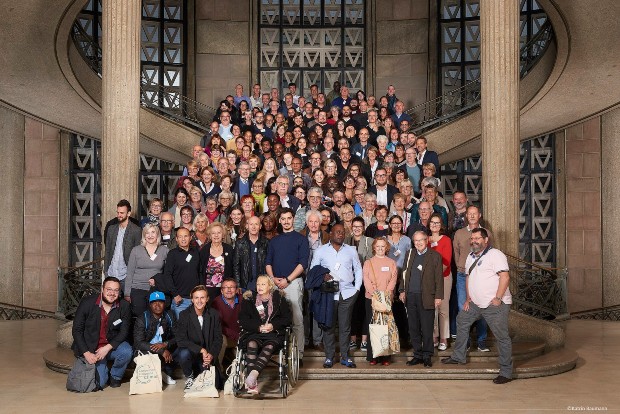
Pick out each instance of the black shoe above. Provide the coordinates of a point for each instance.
(415, 361)
(451, 361)
(501, 380)
(427, 362)
(114, 383)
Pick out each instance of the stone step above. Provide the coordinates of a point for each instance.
(538, 364)
(555, 362)
(520, 351)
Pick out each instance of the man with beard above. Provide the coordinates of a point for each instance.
(100, 329)
(120, 238)
(488, 297)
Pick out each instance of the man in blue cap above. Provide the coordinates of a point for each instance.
(153, 333)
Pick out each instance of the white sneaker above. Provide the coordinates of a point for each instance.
(189, 381)
(442, 346)
(167, 379)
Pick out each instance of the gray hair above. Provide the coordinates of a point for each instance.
(311, 213)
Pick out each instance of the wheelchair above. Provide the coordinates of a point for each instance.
(287, 363)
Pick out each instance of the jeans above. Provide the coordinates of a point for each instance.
(181, 307)
(121, 357)
(190, 363)
(497, 318)
(461, 292)
(295, 296)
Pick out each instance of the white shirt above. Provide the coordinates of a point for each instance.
(382, 198)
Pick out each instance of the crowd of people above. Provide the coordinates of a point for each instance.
(281, 196)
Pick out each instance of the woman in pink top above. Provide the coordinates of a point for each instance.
(380, 273)
(441, 243)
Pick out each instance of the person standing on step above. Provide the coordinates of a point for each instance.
(345, 267)
(488, 296)
(421, 291)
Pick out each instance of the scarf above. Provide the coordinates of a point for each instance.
(153, 219)
(211, 216)
(259, 302)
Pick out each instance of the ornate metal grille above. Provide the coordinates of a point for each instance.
(311, 42)
(157, 179)
(85, 201)
(163, 53)
(536, 199)
(459, 39)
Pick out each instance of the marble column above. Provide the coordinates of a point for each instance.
(121, 104)
(610, 197)
(499, 21)
(12, 169)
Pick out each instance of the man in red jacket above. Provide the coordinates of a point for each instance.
(227, 306)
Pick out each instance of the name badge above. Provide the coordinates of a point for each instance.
(153, 256)
(165, 237)
(420, 268)
(255, 249)
(359, 154)
(188, 258)
(199, 242)
(434, 244)
(385, 269)
(397, 253)
(337, 266)
(161, 330)
(117, 322)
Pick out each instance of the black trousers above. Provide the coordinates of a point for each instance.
(421, 323)
(139, 302)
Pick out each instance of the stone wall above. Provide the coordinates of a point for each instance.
(583, 215)
(222, 48)
(41, 185)
(402, 53)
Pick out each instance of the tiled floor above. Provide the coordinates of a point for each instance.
(26, 385)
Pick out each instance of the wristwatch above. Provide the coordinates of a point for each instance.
(287, 281)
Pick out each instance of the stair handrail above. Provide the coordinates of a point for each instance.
(460, 101)
(76, 282)
(605, 313)
(537, 290)
(155, 97)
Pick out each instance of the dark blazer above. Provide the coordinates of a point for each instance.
(431, 157)
(432, 276)
(242, 267)
(235, 187)
(87, 324)
(293, 203)
(133, 235)
(249, 319)
(142, 334)
(204, 259)
(391, 190)
(189, 334)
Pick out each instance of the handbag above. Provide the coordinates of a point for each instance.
(379, 336)
(204, 385)
(146, 378)
(230, 371)
(82, 377)
(380, 298)
(330, 286)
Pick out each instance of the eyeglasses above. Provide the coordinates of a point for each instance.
(357, 227)
(166, 221)
(108, 290)
(435, 223)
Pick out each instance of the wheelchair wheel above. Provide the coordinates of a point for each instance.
(292, 357)
(284, 386)
(238, 375)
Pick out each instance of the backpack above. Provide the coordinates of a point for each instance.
(83, 377)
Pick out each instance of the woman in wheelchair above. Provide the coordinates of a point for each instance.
(263, 318)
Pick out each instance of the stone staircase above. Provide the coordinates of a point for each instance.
(530, 360)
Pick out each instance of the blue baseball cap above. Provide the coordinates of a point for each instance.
(157, 296)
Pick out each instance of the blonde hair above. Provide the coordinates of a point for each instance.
(147, 227)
